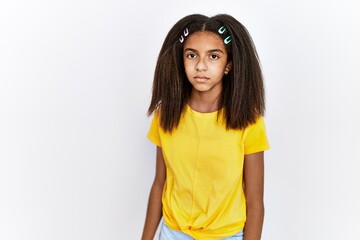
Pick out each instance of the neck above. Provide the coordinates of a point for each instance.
(202, 102)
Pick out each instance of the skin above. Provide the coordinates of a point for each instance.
(254, 193)
(154, 209)
(206, 62)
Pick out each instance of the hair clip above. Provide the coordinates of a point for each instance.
(222, 29)
(227, 40)
(186, 32)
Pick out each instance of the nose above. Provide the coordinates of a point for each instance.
(201, 65)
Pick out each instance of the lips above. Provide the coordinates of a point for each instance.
(201, 78)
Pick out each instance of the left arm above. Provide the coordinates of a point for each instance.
(254, 193)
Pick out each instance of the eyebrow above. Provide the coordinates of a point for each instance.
(211, 50)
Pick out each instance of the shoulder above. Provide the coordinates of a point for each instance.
(258, 124)
(255, 137)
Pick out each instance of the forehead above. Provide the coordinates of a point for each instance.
(204, 41)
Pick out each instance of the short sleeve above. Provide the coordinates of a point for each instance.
(153, 134)
(255, 137)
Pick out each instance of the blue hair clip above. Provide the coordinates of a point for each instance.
(221, 30)
(227, 40)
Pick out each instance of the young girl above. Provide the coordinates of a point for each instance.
(208, 103)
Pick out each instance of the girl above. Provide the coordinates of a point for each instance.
(208, 103)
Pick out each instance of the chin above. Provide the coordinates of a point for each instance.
(201, 88)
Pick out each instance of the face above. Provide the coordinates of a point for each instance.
(205, 61)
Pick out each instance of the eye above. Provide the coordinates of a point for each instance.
(191, 55)
(214, 56)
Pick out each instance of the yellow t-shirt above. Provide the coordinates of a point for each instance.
(203, 194)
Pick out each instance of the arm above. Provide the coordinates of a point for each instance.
(154, 209)
(254, 192)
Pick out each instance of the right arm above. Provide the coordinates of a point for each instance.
(154, 209)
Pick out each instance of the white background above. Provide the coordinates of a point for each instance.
(75, 84)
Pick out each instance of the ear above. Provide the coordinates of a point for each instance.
(228, 67)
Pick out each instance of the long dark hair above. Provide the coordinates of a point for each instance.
(242, 99)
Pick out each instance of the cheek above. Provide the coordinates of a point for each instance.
(187, 72)
(187, 66)
(218, 69)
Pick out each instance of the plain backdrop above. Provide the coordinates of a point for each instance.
(75, 84)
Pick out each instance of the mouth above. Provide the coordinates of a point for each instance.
(201, 78)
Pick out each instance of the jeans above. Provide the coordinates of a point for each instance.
(168, 234)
